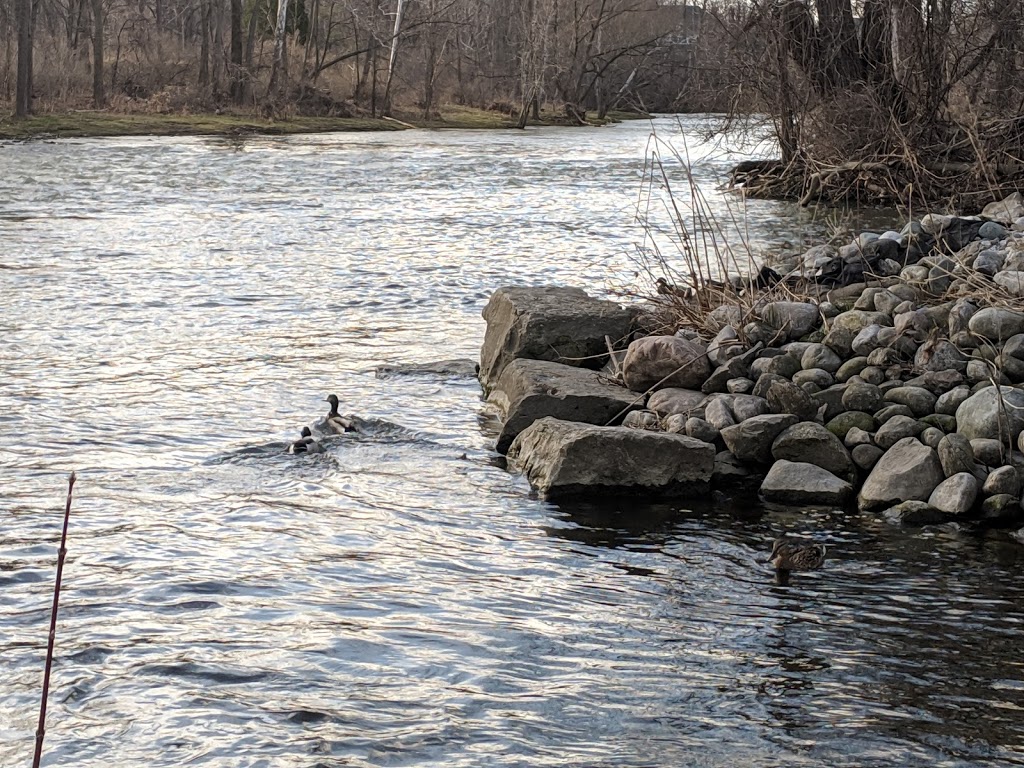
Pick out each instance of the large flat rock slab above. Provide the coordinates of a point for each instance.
(564, 459)
(532, 389)
(548, 323)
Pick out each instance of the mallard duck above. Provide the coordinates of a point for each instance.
(305, 444)
(795, 555)
(335, 422)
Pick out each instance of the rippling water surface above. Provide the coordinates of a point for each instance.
(175, 310)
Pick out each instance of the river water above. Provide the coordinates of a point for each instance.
(175, 310)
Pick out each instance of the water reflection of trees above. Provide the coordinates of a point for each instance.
(904, 646)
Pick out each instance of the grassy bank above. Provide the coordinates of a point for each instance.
(86, 123)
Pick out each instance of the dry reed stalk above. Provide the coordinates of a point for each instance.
(61, 553)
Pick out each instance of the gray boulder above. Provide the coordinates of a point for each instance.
(960, 315)
(857, 436)
(988, 451)
(794, 318)
(851, 368)
(642, 420)
(764, 382)
(940, 421)
(939, 355)
(872, 374)
(989, 262)
(780, 365)
(914, 514)
(955, 495)
(908, 471)
(701, 430)
(718, 414)
(719, 379)
(846, 326)
(866, 456)
(996, 323)
(558, 324)
(1012, 281)
(950, 401)
(994, 412)
(844, 422)
(676, 424)
(866, 342)
(886, 302)
(532, 389)
(747, 407)
(655, 362)
(741, 386)
(1002, 509)
(786, 397)
(882, 415)
(820, 356)
(790, 482)
(725, 346)
(832, 400)
(817, 376)
(937, 382)
(1002, 480)
(955, 454)
(752, 439)
(566, 459)
(931, 437)
(673, 400)
(883, 357)
(895, 429)
(992, 230)
(918, 399)
(1005, 211)
(811, 443)
(861, 396)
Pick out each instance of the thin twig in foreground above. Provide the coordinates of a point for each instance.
(41, 730)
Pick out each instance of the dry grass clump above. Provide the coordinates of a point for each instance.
(698, 261)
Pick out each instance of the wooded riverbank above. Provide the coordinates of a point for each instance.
(93, 123)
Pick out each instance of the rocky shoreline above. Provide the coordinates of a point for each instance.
(888, 373)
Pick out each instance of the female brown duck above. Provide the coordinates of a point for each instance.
(790, 555)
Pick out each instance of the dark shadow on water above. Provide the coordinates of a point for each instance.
(618, 522)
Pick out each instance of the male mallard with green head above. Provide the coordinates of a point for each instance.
(790, 555)
(335, 422)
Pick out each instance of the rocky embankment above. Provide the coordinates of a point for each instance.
(888, 373)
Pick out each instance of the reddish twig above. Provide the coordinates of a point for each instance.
(41, 730)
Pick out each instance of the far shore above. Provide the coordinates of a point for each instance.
(85, 123)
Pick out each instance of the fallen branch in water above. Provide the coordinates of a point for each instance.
(41, 730)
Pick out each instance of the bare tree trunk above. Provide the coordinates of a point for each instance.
(217, 42)
(204, 43)
(311, 38)
(23, 87)
(245, 89)
(399, 13)
(98, 97)
(368, 62)
(278, 71)
(237, 88)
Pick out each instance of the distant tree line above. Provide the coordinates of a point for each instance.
(364, 56)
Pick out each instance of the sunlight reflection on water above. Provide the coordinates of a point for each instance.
(176, 310)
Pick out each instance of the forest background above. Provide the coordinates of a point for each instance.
(883, 100)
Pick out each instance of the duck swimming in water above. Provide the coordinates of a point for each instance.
(790, 555)
(305, 444)
(335, 422)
